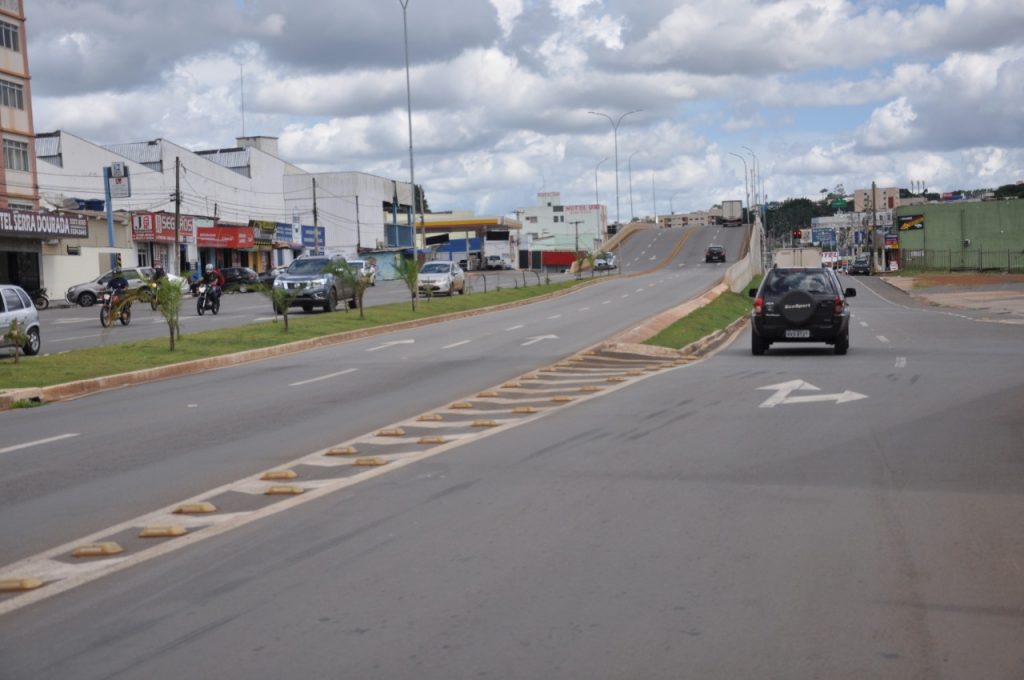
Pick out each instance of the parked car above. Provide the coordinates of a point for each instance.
(496, 262)
(800, 304)
(364, 269)
(267, 277)
(242, 279)
(714, 254)
(442, 278)
(16, 305)
(861, 265)
(309, 283)
(86, 294)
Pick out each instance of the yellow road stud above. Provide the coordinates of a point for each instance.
(274, 475)
(524, 409)
(485, 423)
(532, 376)
(200, 508)
(634, 373)
(461, 405)
(487, 394)
(512, 385)
(432, 439)
(283, 490)
(590, 388)
(168, 531)
(97, 550)
(391, 432)
(549, 369)
(19, 584)
(616, 379)
(561, 399)
(342, 451)
(431, 418)
(369, 462)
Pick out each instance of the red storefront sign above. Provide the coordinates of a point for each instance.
(234, 238)
(159, 227)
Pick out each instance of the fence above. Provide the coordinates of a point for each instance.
(963, 260)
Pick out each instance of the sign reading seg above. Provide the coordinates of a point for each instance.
(18, 223)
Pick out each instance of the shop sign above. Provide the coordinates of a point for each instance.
(19, 223)
(910, 222)
(225, 237)
(159, 227)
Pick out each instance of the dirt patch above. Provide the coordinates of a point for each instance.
(965, 280)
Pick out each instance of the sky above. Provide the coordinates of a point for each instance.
(816, 93)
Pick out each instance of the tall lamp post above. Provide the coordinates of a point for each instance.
(746, 187)
(408, 100)
(629, 166)
(597, 198)
(755, 180)
(615, 131)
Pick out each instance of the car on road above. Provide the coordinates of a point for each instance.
(267, 276)
(17, 307)
(242, 279)
(605, 262)
(440, 277)
(86, 294)
(861, 265)
(309, 282)
(714, 253)
(364, 269)
(800, 304)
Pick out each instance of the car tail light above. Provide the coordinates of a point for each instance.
(759, 306)
(837, 306)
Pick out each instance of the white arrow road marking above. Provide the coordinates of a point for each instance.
(391, 344)
(783, 390)
(323, 377)
(37, 442)
(901, 362)
(457, 344)
(882, 338)
(514, 328)
(538, 338)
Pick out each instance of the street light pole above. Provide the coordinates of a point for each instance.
(629, 165)
(746, 188)
(615, 131)
(408, 100)
(597, 197)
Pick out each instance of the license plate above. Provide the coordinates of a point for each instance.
(798, 334)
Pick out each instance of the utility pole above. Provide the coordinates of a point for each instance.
(629, 165)
(359, 236)
(316, 223)
(177, 215)
(579, 269)
(654, 202)
(874, 227)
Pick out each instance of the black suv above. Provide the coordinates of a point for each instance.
(860, 265)
(309, 283)
(714, 254)
(800, 305)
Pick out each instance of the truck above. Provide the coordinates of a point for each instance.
(797, 257)
(732, 213)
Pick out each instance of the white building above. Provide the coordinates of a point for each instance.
(551, 226)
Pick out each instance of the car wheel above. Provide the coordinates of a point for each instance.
(87, 299)
(31, 347)
(757, 344)
(843, 343)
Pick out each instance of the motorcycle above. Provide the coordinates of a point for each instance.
(115, 305)
(206, 299)
(39, 298)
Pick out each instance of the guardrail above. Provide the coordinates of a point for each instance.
(739, 274)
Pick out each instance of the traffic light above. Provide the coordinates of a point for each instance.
(797, 233)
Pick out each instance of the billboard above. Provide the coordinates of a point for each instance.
(910, 222)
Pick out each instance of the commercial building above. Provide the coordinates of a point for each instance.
(559, 231)
(967, 235)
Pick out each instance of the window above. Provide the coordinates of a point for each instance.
(14, 302)
(16, 155)
(9, 34)
(12, 94)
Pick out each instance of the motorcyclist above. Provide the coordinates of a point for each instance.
(158, 274)
(214, 279)
(117, 283)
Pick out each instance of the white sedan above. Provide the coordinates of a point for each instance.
(441, 278)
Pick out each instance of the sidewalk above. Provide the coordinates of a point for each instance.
(1000, 297)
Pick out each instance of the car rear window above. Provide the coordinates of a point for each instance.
(781, 281)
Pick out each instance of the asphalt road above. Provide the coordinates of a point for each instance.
(702, 523)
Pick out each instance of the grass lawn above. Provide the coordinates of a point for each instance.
(53, 369)
(712, 317)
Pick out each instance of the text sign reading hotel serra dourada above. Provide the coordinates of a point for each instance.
(18, 223)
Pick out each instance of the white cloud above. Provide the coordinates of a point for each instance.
(508, 12)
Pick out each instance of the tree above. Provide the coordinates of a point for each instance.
(591, 259)
(15, 336)
(280, 298)
(409, 272)
(1010, 191)
(351, 278)
(168, 303)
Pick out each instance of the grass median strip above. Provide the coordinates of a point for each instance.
(111, 359)
(714, 316)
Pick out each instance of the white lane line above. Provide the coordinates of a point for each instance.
(556, 316)
(323, 377)
(882, 338)
(640, 290)
(653, 257)
(584, 309)
(901, 362)
(457, 344)
(625, 296)
(79, 337)
(38, 442)
(391, 344)
(515, 328)
(606, 302)
(61, 322)
(864, 324)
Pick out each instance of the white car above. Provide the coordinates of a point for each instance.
(16, 305)
(441, 278)
(365, 269)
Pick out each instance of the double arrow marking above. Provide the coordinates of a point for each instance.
(783, 390)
